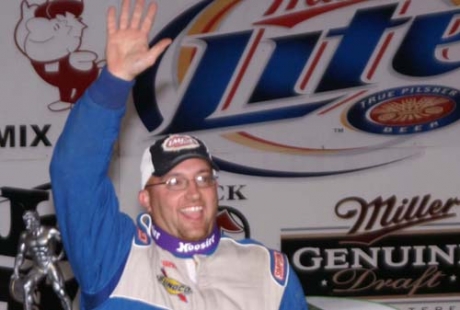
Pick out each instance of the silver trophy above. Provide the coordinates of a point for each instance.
(35, 261)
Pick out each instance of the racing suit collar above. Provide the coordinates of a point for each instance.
(182, 248)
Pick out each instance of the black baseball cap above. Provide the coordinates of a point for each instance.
(167, 152)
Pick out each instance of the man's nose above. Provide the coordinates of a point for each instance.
(193, 191)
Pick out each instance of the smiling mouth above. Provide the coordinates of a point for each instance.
(192, 209)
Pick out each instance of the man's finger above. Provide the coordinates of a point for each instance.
(124, 15)
(137, 14)
(157, 49)
(149, 18)
(111, 20)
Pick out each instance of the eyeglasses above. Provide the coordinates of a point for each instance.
(178, 183)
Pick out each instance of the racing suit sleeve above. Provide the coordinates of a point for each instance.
(294, 296)
(96, 235)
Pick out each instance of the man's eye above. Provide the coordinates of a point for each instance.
(204, 179)
(173, 181)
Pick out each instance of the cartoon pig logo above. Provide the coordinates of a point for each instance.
(49, 33)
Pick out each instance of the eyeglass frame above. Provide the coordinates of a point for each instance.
(213, 176)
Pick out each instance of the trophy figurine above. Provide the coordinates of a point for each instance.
(37, 251)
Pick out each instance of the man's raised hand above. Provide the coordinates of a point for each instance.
(127, 51)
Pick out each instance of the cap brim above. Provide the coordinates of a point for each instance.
(161, 171)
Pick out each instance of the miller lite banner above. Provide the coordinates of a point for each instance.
(335, 123)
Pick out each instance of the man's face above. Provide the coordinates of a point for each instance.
(188, 214)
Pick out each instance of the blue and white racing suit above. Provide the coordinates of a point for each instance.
(122, 265)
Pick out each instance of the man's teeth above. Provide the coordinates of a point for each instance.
(192, 209)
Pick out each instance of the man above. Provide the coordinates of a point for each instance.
(37, 243)
(175, 257)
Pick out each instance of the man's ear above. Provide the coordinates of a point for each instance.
(144, 199)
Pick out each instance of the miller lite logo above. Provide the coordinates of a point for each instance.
(312, 87)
